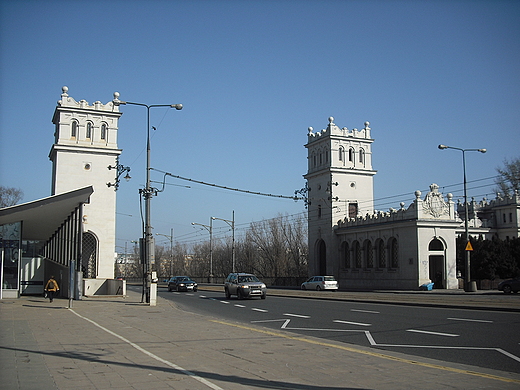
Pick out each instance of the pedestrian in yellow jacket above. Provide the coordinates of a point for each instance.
(52, 288)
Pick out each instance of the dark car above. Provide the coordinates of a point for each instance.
(509, 285)
(182, 283)
(244, 286)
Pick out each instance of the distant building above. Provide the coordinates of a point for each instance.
(397, 249)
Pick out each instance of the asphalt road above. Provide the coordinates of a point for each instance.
(481, 338)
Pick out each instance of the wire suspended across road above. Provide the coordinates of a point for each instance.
(295, 198)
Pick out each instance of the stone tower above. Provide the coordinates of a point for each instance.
(85, 153)
(340, 185)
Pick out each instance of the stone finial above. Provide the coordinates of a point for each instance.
(310, 129)
(64, 91)
(331, 120)
(417, 194)
(116, 95)
(366, 125)
(449, 196)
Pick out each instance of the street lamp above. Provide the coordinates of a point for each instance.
(232, 225)
(210, 230)
(147, 192)
(170, 237)
(468, 286)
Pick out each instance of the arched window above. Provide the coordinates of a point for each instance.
(341, 153)
(381, 254)
(351, 155)
(362, 156)
(369, 254)
(74, 129)
(319, 211)
(394, 253)
(88, 134)
(103, 131)
(356, 254)
(345, 255)
(436, 245)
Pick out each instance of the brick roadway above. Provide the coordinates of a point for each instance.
(120, 343)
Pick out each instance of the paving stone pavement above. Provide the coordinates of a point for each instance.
(119, 343)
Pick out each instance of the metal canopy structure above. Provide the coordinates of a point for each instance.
(41, 218)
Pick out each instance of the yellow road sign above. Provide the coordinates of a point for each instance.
(469, 247)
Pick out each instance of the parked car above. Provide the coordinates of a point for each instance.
(320, 283)
(182, 283)
(244, 286)
(509, 285)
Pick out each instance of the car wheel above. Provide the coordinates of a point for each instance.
(303, 287)
(194, 290)
(228, 295)
(169, 289)
(263, 296)
(507, 289)
(239, 294)
(318, 288)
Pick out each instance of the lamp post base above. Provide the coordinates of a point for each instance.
(471, 287)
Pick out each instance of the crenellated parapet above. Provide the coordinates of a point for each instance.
(433, 207)
(67, 101)
(334, 130)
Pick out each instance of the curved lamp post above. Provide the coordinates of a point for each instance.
(170, 238)
(147, 192)
(468, 286)
(232, 226)
(210, 230)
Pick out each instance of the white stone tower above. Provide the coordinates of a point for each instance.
(84, 154)
(340, 185)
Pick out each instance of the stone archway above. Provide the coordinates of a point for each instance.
(437, 263)
(89, 256)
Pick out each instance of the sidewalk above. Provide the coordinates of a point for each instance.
(120, 343)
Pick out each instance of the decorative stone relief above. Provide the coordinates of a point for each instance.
(434, 203)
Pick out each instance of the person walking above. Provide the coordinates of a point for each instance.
(52, 288)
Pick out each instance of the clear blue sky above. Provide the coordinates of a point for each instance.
(253, 76)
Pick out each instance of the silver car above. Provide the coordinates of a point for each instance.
(244, 286)
(320, 283)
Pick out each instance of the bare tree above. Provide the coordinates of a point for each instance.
(508, 180)
(9, 196)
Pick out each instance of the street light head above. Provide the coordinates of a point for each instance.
(176, 106)
(482, 150)
(442, 147)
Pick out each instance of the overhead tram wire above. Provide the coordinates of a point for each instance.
(293, 197)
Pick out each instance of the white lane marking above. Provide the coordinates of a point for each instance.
(226, 302)
(296, 315)
(433, 333)
(236, 305)
(202, 296)
(153, 356)
(260, 310)
(469, 319)
(351, 323)
(365, 311)
(500, 350)
(287, 321)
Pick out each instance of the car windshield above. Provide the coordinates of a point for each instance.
(247, 278)
(184, 280)
(330, 279)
